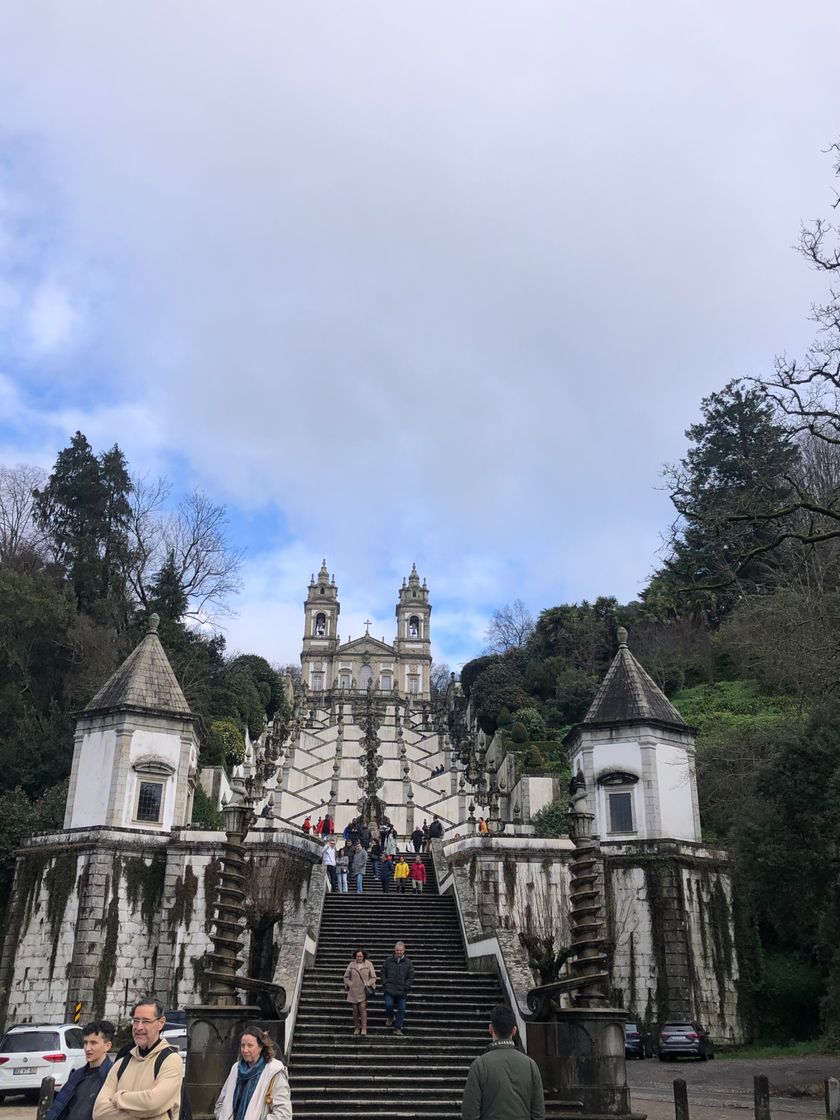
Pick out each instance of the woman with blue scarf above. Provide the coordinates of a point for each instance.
(257, 1087)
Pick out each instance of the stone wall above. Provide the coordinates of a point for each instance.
(100, 916)
(669, 915)
(672, 933)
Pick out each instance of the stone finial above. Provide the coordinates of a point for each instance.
(621, 634)
(154, 622)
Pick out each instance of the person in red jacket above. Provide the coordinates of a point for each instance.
(417, 875)
(307, 826)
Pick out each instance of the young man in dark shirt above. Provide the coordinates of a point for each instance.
(76, 1099)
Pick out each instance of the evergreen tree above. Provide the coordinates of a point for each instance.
(737, 471)
(84, 511)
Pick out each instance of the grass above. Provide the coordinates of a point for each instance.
(759, 1050)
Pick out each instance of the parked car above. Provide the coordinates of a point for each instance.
(637, 1042)
(177, 1037)
(31, 1052)
(683, 1038)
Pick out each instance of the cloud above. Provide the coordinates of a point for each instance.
(440, 284)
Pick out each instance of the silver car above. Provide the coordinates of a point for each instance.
(31, 1052)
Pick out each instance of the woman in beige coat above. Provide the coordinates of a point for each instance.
(358, 975)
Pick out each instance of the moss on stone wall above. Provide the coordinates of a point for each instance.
(509, 873)
(181, 910)
(28, 874)
(108, 959)
(653, 872)
(59, 881)
(144, 886)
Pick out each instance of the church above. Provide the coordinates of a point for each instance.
(122, 899)
(402, 668)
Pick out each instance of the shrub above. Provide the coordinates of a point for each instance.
(532, 720)
(225, 744)
(519, 733)
(552, 820)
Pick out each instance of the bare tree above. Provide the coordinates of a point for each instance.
(509, 627)
(193, 538)
(19, 530)
(439, 679)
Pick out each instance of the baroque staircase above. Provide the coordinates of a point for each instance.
(332, 1072)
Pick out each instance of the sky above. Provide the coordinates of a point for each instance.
(441, 283)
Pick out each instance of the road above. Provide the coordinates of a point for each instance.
(721, 1085)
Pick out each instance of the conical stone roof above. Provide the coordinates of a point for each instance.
(144, 682)
(628, 695)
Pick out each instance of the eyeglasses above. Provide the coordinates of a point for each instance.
(145, 1022)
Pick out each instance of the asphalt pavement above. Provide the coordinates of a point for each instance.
(723, 1084)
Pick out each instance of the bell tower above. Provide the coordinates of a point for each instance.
(413, 645)
(320, 631)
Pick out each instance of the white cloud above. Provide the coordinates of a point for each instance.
(441, 284)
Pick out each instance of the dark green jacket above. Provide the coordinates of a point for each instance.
(503, 1084)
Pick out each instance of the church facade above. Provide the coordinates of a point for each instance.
(402, 668)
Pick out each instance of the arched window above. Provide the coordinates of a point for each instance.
(320, 625)
(366, 676)
(414, 627)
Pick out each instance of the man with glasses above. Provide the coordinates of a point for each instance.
(145, 1083)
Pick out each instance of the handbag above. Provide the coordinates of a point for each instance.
(370, 991)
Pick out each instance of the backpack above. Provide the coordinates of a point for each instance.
(184, 1109)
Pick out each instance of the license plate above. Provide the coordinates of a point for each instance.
(25, 1069)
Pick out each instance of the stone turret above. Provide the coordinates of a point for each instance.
(413, 643)
(636, 754)
(136, 752)
(320, 635)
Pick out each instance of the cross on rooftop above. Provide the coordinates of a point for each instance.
(368, 625)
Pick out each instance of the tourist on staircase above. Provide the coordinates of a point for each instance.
(401, 872)
(375, 856)
(435, 830)
(358, 865)
(386, 873)
(257, 1087)
(358, 977)
(397, 978)
(417, 838)
(390, 845)
(307, 825)
(364, 835)
(426, 836)
(342, 867)
(503, 1082)
(417, 874)
(328, 858)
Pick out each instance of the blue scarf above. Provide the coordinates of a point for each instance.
(246, 1082)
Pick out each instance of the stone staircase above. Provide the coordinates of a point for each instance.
(335, 1074)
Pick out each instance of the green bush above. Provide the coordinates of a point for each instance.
(225, 744)
(533, 759)
(205, 812)
(519, 733)
(532, 721)
(552, 821)
(504, 719)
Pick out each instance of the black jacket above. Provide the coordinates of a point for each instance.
(397, 976)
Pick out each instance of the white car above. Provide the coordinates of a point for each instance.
(33, 1051)
(177, 1037)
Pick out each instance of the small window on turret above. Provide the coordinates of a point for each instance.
(149, 802)
(414, 627)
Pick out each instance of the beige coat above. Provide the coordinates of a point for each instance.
(356, 976)
(138, 1095)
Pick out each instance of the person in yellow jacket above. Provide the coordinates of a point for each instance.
(139, 1086)
(401, 873)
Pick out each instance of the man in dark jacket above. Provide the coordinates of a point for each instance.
(397, 978)
(436, 829)
(75, 1101)
(503, 1083)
